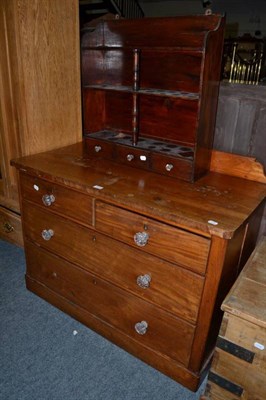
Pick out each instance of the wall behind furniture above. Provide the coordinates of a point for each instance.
(248, 16)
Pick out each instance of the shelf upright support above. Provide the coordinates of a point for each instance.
(135, 110)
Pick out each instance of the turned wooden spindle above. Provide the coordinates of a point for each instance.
(135, 108)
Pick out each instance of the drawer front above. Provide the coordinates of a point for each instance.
(64, 201)
(162, 332)
(172, 244)
(10, 227)
(133, 157)
(172, 288)
(99, 148)
(171, 166)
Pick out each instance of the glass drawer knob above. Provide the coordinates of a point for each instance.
(169, 167)
(141, 238)
(141, 327)
(97, 148)
(47, 234)
(48, 199)
(144, 281)
(130, 157)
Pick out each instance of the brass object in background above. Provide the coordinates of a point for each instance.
(8, 228)
(244, 59)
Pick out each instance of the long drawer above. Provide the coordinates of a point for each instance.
(167, 242)
(138, 319)
(56, 198)
(173, 288)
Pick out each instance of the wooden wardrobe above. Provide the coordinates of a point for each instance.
(39, 90)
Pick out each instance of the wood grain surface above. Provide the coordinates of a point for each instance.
(169, 243)
(225, 200)
(10, 227)
(192, 260)
(40, 102)
(247, 297)
(113, 305)
(116, 262)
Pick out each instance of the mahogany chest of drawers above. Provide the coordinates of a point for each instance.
(146, 262)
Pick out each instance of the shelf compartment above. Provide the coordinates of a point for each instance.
(107, 110)
(168, 118)
(162, 117)
(115, 67)
(185, 70)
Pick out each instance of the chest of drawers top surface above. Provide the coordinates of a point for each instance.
(249, 289)
(239, 363)
(214, 205)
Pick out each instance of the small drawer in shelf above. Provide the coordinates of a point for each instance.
(100, 148)
(134, 157)
(176, 167)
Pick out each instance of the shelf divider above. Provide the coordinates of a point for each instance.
(135, 108)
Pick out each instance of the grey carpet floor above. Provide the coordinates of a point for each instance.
(47, 355)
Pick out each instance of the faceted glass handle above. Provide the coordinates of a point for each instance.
(141, 238)
(169, 167)
(47, 234)
(130, 157)
(97, 148)
(144, 281)
(141, 327)
(48, 199)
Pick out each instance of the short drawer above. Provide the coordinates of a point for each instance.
(99, 148)
(133, 156)
(170, 243)
(57, 198)
(174, 289)
(171, 166)
(136, 318)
